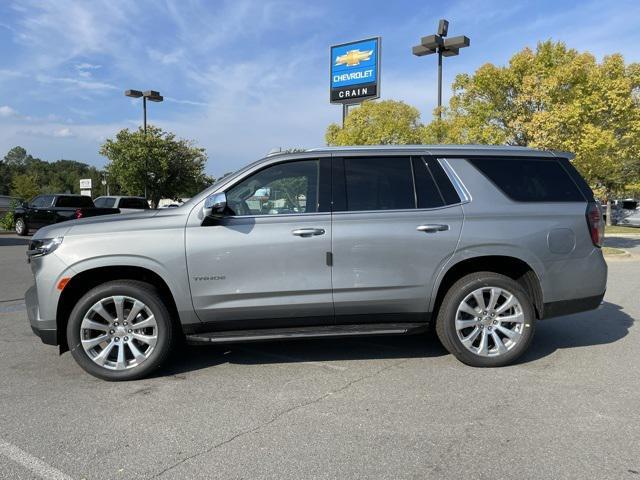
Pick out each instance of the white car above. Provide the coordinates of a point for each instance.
(125, 204)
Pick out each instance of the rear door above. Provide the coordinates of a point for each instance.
(395, 222)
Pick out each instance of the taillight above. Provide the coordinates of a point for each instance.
(595, 223)
(79, 213)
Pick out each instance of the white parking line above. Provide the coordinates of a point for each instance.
(34, 464)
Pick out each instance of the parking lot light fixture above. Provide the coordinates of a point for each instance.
(444, 47)
(152, 96)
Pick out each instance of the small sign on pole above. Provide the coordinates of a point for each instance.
(85, 184)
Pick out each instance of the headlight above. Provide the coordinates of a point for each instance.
(43, 246)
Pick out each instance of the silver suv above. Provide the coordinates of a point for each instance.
(479, 241)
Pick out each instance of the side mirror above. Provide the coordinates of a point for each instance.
(215, 204)
(24, 204)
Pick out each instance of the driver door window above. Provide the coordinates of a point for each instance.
(286, 188)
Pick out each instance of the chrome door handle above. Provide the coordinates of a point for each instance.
(308, 232)
(432, 228)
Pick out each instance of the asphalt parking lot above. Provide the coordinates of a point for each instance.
(397, 407)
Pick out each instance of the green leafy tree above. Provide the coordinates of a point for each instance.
(17, 159)
(5, 178)
(175, 166)
(554, 98)
(388, 122)
(24, 186)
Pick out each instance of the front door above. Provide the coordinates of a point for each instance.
(265, 264)
(40, 213)
(392, 232)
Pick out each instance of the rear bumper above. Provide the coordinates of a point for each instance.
(45, 329)
(567, 307)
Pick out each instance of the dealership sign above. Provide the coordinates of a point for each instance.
(355, 71)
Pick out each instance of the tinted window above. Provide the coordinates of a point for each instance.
(530, 180)
(42, 201)
(381, 183)
(133, 203)
(105, 202)
(428, 193)
(285, 188)
(79, 201)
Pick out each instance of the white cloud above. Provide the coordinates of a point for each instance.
(75, 82)
(166, 58)
(7, 111)
(63, 133)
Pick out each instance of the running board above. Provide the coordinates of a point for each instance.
(328, 331)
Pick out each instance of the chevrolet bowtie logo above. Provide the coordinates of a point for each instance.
(353, 58)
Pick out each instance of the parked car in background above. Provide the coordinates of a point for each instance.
(334, 242)
(6, 203)
(630, 218)
(125, 204)
(49, 209)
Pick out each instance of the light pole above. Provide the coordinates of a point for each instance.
(153, 96)
(444, 47)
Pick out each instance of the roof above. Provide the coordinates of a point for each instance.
(437, 150)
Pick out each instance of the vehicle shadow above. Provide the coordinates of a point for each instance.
(320, 351)
(579, 330)
(607, 324)
(12, 241)
(622, 242)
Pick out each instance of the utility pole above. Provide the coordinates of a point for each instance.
(444, 47)
(153, 96)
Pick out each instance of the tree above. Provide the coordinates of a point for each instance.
(17, 158)
(175, 166)
(5, 178)
(554, 98)
(388, 122)
(24, 186)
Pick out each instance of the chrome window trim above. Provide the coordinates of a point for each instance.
(463, 193)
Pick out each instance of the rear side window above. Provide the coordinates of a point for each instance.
(433, 187)
(530, 180)
(133, 203)
(378, 183)
(105, 202)
(80, 201)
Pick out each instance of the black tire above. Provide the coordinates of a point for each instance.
(138, 290)
(445, 323)
(21, 227)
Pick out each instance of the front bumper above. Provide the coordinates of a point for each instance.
(45, 329)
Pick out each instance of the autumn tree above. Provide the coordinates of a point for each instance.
(554, 98)
(388, 122)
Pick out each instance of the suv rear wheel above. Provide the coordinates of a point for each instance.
(120, 330)
(486, 320)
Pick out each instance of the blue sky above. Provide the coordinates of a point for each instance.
(243, 77)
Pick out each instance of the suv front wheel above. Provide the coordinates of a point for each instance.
(486, 320)
(120, 330)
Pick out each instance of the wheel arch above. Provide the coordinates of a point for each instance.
(513, 267)
(85, 280)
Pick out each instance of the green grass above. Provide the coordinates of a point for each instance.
(612, 251)
(621, 229)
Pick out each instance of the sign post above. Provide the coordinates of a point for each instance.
(354, 73)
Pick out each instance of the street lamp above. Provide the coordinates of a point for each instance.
(444, 47)
(152, 96)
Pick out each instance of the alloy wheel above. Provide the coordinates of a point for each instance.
(119, 332)
(489, 321)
